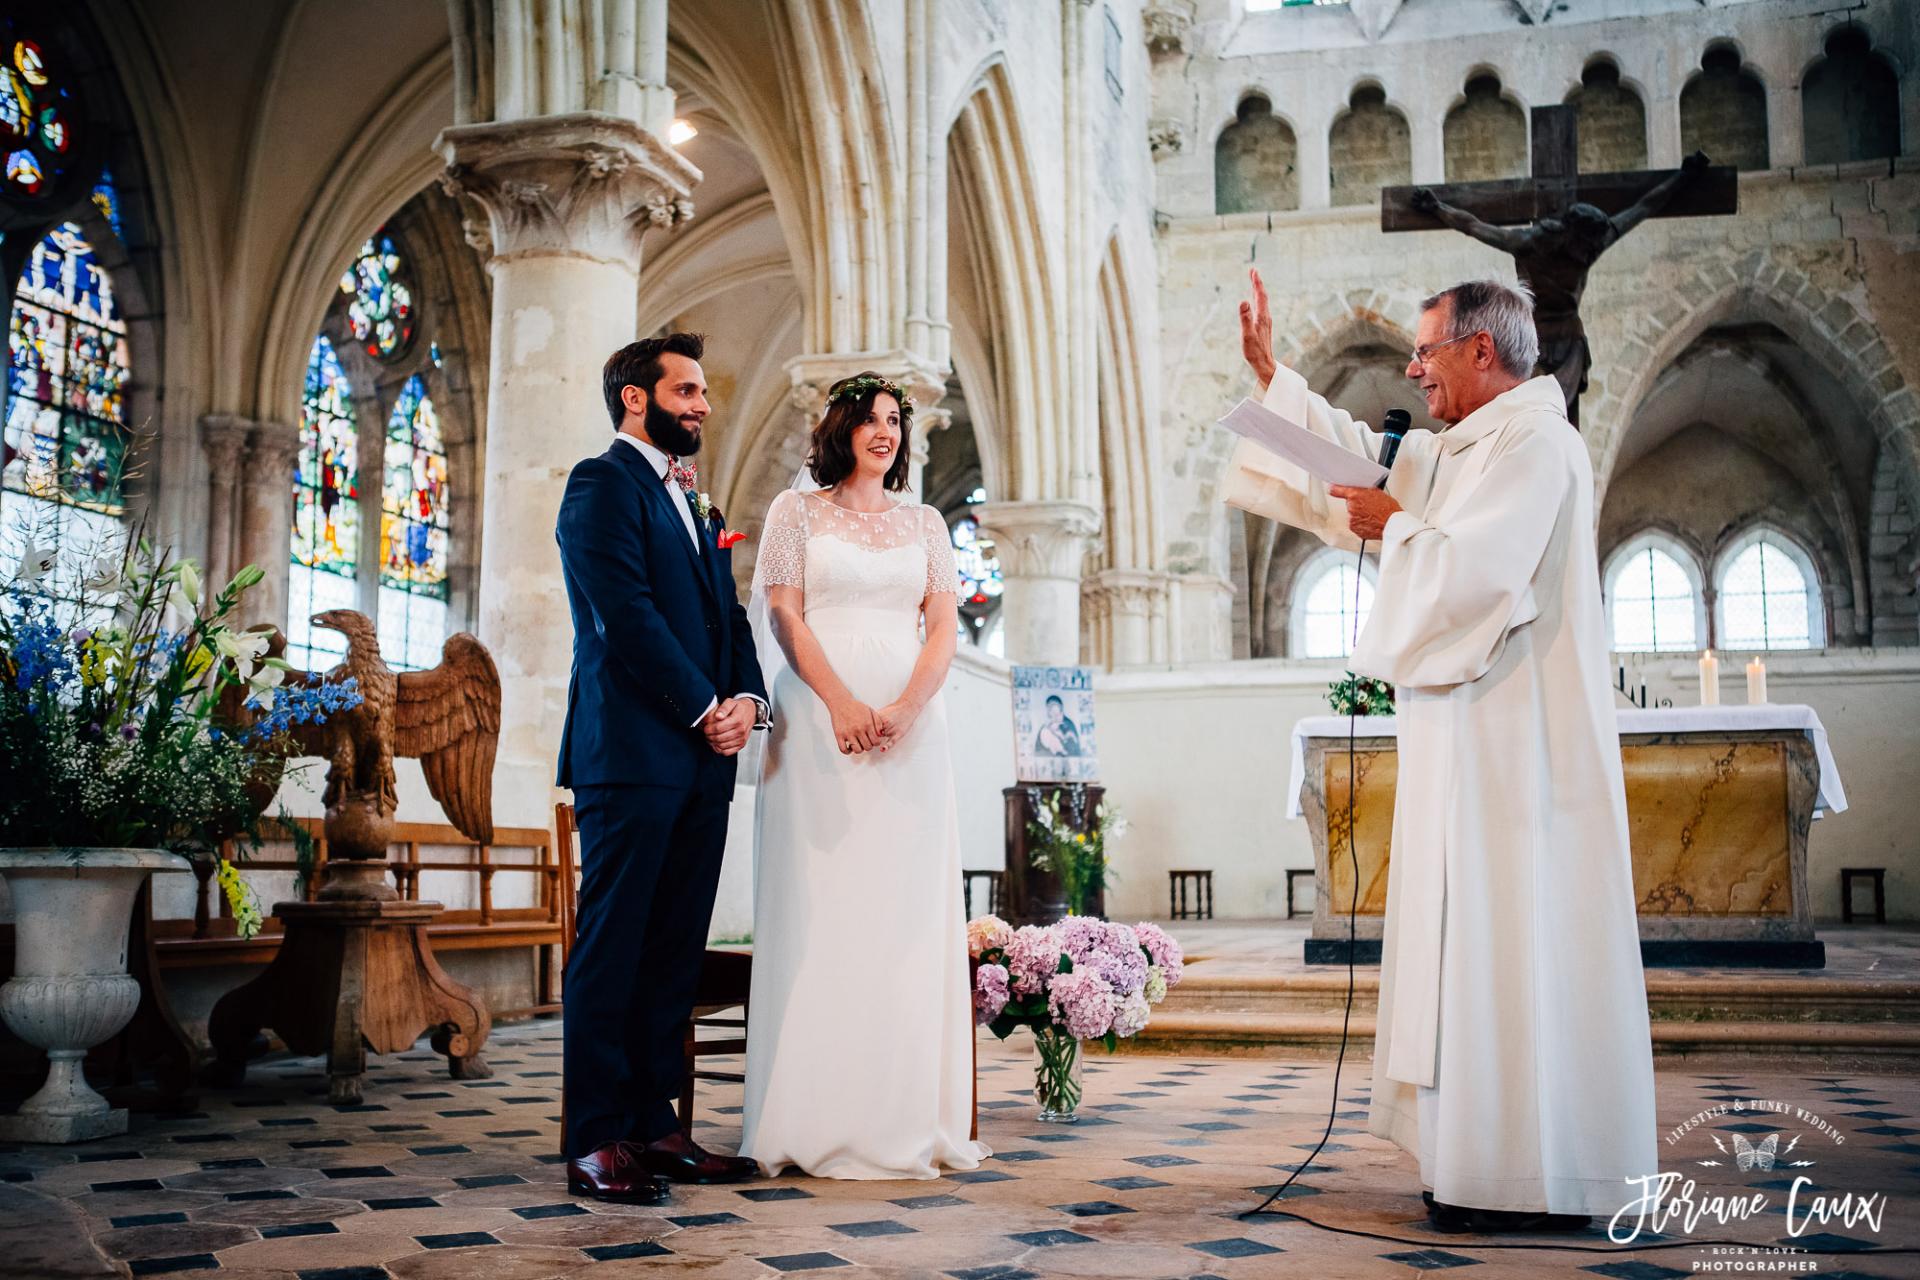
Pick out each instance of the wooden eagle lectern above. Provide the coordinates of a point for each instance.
(355, 970)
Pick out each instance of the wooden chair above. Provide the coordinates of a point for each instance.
(724, 983)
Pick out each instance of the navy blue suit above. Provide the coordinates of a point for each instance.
(658, 634)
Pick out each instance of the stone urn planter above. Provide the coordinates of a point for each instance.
(70, 988)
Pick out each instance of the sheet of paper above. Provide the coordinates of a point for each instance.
(1318, 457)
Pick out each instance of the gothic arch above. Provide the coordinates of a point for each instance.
(1829, 326)
(1013, 316)
(1131, 447)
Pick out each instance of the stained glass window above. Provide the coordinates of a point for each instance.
(1324, 602)
(66, 425)
(1768, 597)
(326, 511)
(413, 533)
(38, 110)
(381, 311)
(1653, 602)
(107, 200)
(981, 582)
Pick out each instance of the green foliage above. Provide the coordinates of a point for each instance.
(1360, 695)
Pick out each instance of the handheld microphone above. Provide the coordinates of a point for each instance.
(1395, 429)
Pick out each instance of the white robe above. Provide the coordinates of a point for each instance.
(1513, 1054)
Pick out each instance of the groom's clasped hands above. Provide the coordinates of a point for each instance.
(859, 728)
(729, 726)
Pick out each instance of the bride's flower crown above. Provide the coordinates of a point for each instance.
(857, 388)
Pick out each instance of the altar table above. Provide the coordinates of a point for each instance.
(1719, 804)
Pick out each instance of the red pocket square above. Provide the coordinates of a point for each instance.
(731, 538)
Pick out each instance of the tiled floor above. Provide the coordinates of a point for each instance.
(432, 1178)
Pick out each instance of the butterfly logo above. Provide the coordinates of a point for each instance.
(1762, 1155)
(1749, 1156)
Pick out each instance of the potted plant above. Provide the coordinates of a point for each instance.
(138, 728)
(1075, 980)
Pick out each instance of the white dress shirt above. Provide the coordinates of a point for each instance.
(658, 460)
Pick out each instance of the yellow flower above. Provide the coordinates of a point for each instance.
(1079, 837)
(198, 661)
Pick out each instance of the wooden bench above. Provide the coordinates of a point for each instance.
(210, 938)
(1190, 894)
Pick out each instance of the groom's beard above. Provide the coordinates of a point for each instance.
(671, 435)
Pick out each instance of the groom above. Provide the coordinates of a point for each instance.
(666, 690)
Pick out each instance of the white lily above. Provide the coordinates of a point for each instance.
(190, 582)
(36, 563)
(242, 648)
(264, 683)
(104, 576)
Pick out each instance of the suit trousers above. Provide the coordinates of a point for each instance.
(649, 869)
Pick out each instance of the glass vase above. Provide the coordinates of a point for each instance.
(1057, 1076)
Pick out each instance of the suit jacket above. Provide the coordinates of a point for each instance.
(658, 631)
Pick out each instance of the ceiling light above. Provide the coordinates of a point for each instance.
(681, 132)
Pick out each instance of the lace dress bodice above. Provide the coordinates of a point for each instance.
(840, 559)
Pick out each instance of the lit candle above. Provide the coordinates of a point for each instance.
(1756, 680)
(1709, 680)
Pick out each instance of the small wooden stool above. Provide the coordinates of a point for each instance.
(1178, 885)
(1877, 877)
(1294, 873)
(994, 881)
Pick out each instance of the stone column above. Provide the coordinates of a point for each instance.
(1126, 617)
(1042, 548)
(1200, 609)
(567, 200)
(264, 519)
(224, 440)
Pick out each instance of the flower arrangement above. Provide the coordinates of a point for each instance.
(1079, 979)
(1360, 695)
(1069, 843)
(138, 716)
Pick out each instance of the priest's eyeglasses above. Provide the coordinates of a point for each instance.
(1422, 354)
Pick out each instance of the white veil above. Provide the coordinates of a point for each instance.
(773, 659)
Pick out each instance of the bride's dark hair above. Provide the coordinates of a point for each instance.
(830, 457)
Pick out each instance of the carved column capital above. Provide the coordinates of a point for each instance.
(581, 185)
(1168, 24)
(1046, 539)
(271, 448)
(812, 375)
(1125, 592)
(223, 437)
(1166, 137)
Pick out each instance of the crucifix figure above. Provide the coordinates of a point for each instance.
(1557, 223)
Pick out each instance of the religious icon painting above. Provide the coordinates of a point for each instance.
(1053, 725)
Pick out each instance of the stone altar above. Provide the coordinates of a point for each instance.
(1720, 801)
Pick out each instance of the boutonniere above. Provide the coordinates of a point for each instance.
(703, 505)
(731, 538)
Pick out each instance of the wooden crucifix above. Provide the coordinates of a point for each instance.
(1558, 222)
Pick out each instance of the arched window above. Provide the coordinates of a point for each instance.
(1851, 102)
(326, 512)
(1485, 136)
(1613, 121)
(981, 582)
(1326, 596)
(413, 533)
(1768, 595)
(1723, 111)
(1370, 146)
(1654, 602)
(1254, 162)
(389, 562)
(66, 427)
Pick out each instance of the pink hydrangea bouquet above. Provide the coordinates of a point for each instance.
(1081, 978)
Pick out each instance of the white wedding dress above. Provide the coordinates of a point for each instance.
(860, 1029)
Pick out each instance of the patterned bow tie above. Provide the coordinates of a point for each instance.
(685, 474)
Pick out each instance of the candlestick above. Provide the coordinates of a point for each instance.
(1709, 680)
(1756, 681)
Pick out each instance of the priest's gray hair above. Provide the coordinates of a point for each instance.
(1504, 311)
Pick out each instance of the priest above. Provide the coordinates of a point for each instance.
(1513, 1055)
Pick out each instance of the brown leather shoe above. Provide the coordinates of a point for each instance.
(615, 1172)
(680, 1159)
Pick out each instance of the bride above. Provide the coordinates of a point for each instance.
(859, 1033)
